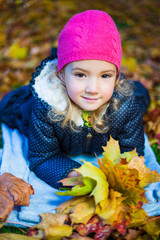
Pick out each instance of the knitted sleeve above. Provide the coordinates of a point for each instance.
(45, 157)
(55, 169)
(131, 132)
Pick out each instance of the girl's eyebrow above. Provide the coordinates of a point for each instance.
(110, 70)
(81, 69)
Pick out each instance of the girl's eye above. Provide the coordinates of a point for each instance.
(80, 75)
(106, 76)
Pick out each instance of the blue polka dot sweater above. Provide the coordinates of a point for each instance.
(49, 144)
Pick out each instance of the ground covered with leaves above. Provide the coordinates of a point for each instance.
(29, 29)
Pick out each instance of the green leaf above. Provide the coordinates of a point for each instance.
(80, 190)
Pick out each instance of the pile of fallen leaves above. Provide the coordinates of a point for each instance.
(106, 202)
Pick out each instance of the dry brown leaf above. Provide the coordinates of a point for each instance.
(6, 203)
(18, 188)
(13, 191)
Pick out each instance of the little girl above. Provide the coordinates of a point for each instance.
(76, 101)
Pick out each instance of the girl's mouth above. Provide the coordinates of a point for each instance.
(90, 99)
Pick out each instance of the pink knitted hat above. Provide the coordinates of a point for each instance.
(89, 35)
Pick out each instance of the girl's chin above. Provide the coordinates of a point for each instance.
(90, 109)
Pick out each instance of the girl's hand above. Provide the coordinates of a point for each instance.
(73, 174)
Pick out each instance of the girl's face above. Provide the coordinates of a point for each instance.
(90, 83)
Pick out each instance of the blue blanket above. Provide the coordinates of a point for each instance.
(13, 159)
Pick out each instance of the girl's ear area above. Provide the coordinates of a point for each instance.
(117, 79)
(61, 74)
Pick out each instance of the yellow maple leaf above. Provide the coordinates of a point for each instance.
(112, 151)
(56, 232)
(81, 209)
(53, 225)
(108, 168)
(66, 206)
(137, 217)
(145, 175)
(124, 180)
(109, 209)
(100, 191)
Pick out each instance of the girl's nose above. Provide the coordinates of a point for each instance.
(92, 85)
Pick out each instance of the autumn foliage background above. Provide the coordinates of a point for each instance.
(30, 28)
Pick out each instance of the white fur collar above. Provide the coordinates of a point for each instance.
(49, 88)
